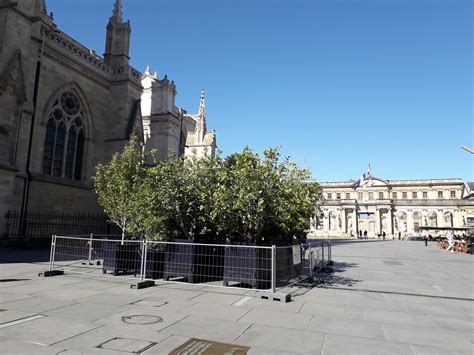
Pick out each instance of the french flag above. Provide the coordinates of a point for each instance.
(363, 180)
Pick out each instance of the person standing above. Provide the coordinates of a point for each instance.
(383, 235)
(365, 234)
(425, 238)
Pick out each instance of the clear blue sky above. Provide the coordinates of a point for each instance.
(337, 84)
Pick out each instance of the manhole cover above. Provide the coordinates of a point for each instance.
(390, 262)
(141, 319)
(126, 345)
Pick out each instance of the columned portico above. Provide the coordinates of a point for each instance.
(398, 206)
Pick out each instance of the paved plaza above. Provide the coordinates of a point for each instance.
(386, 297)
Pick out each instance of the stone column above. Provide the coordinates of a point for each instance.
(355, 222)
(344, 220)
(325, 220)
(377, 222)
(410, 229)
(439, 218)
(390, 221)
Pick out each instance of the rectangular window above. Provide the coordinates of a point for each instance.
(425, 194)
(394, 195)
(440, 194)
(371, 195)
(414, 194)
(359, 195)
(404, 195)
(380, 195)
(348, 196)
(453, 194)
(329, 195)
(338, 196)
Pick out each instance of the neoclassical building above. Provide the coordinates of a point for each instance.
(64, 109)
(394, 206)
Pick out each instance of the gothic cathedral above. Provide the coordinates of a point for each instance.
(64, 109)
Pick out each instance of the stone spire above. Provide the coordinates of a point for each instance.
(117, 13)
(117, 42)
(202, 105)
(43, 7)
(201, 120)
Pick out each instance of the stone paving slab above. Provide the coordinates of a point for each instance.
(217, 298)
(167, 345)
(433, 337)
(9, 315)
(88, 312)
(216, 311)
(79, 312)
(164, 320)
(47, 330)
(350, 327)
(390, 317)
(36, 304)
(277, 319)
(430, 350)
(314, 308)
(207, 328)
(340, 344)
(281, 339)
(12, 346)
(11, 297)
(95, 337)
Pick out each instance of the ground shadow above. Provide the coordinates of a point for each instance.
(336, 278)
(13, 255)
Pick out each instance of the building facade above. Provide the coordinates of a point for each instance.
(396, 207)
(64, 109)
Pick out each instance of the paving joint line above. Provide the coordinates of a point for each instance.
(76, 335)
(250, 325)
(398, 293)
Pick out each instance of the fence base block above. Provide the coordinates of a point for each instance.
(143, 284)
(50, 273)
(277, 296)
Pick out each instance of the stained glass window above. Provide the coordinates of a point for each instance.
(65, 138)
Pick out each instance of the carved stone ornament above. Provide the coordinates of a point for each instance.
(12, 79)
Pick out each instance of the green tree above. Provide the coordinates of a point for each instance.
(118, 184)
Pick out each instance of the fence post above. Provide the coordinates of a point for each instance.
(53, 251)
(143, 260)
(273, 269)
(322, 255)
(145, 252)
(90, 248)
(330, 253)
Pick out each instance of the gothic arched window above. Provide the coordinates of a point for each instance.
(65, 138)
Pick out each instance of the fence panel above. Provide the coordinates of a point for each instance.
(222, 265)
(43, 224)
(98, 256)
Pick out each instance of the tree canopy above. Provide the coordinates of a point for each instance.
(244, 198)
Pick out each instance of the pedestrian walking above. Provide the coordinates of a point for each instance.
(383, 235)
(425, 238)
(365, 234)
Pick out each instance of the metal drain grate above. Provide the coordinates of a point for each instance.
(141, 319)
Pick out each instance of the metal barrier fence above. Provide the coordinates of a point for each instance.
(37, 224)
(223, 265)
